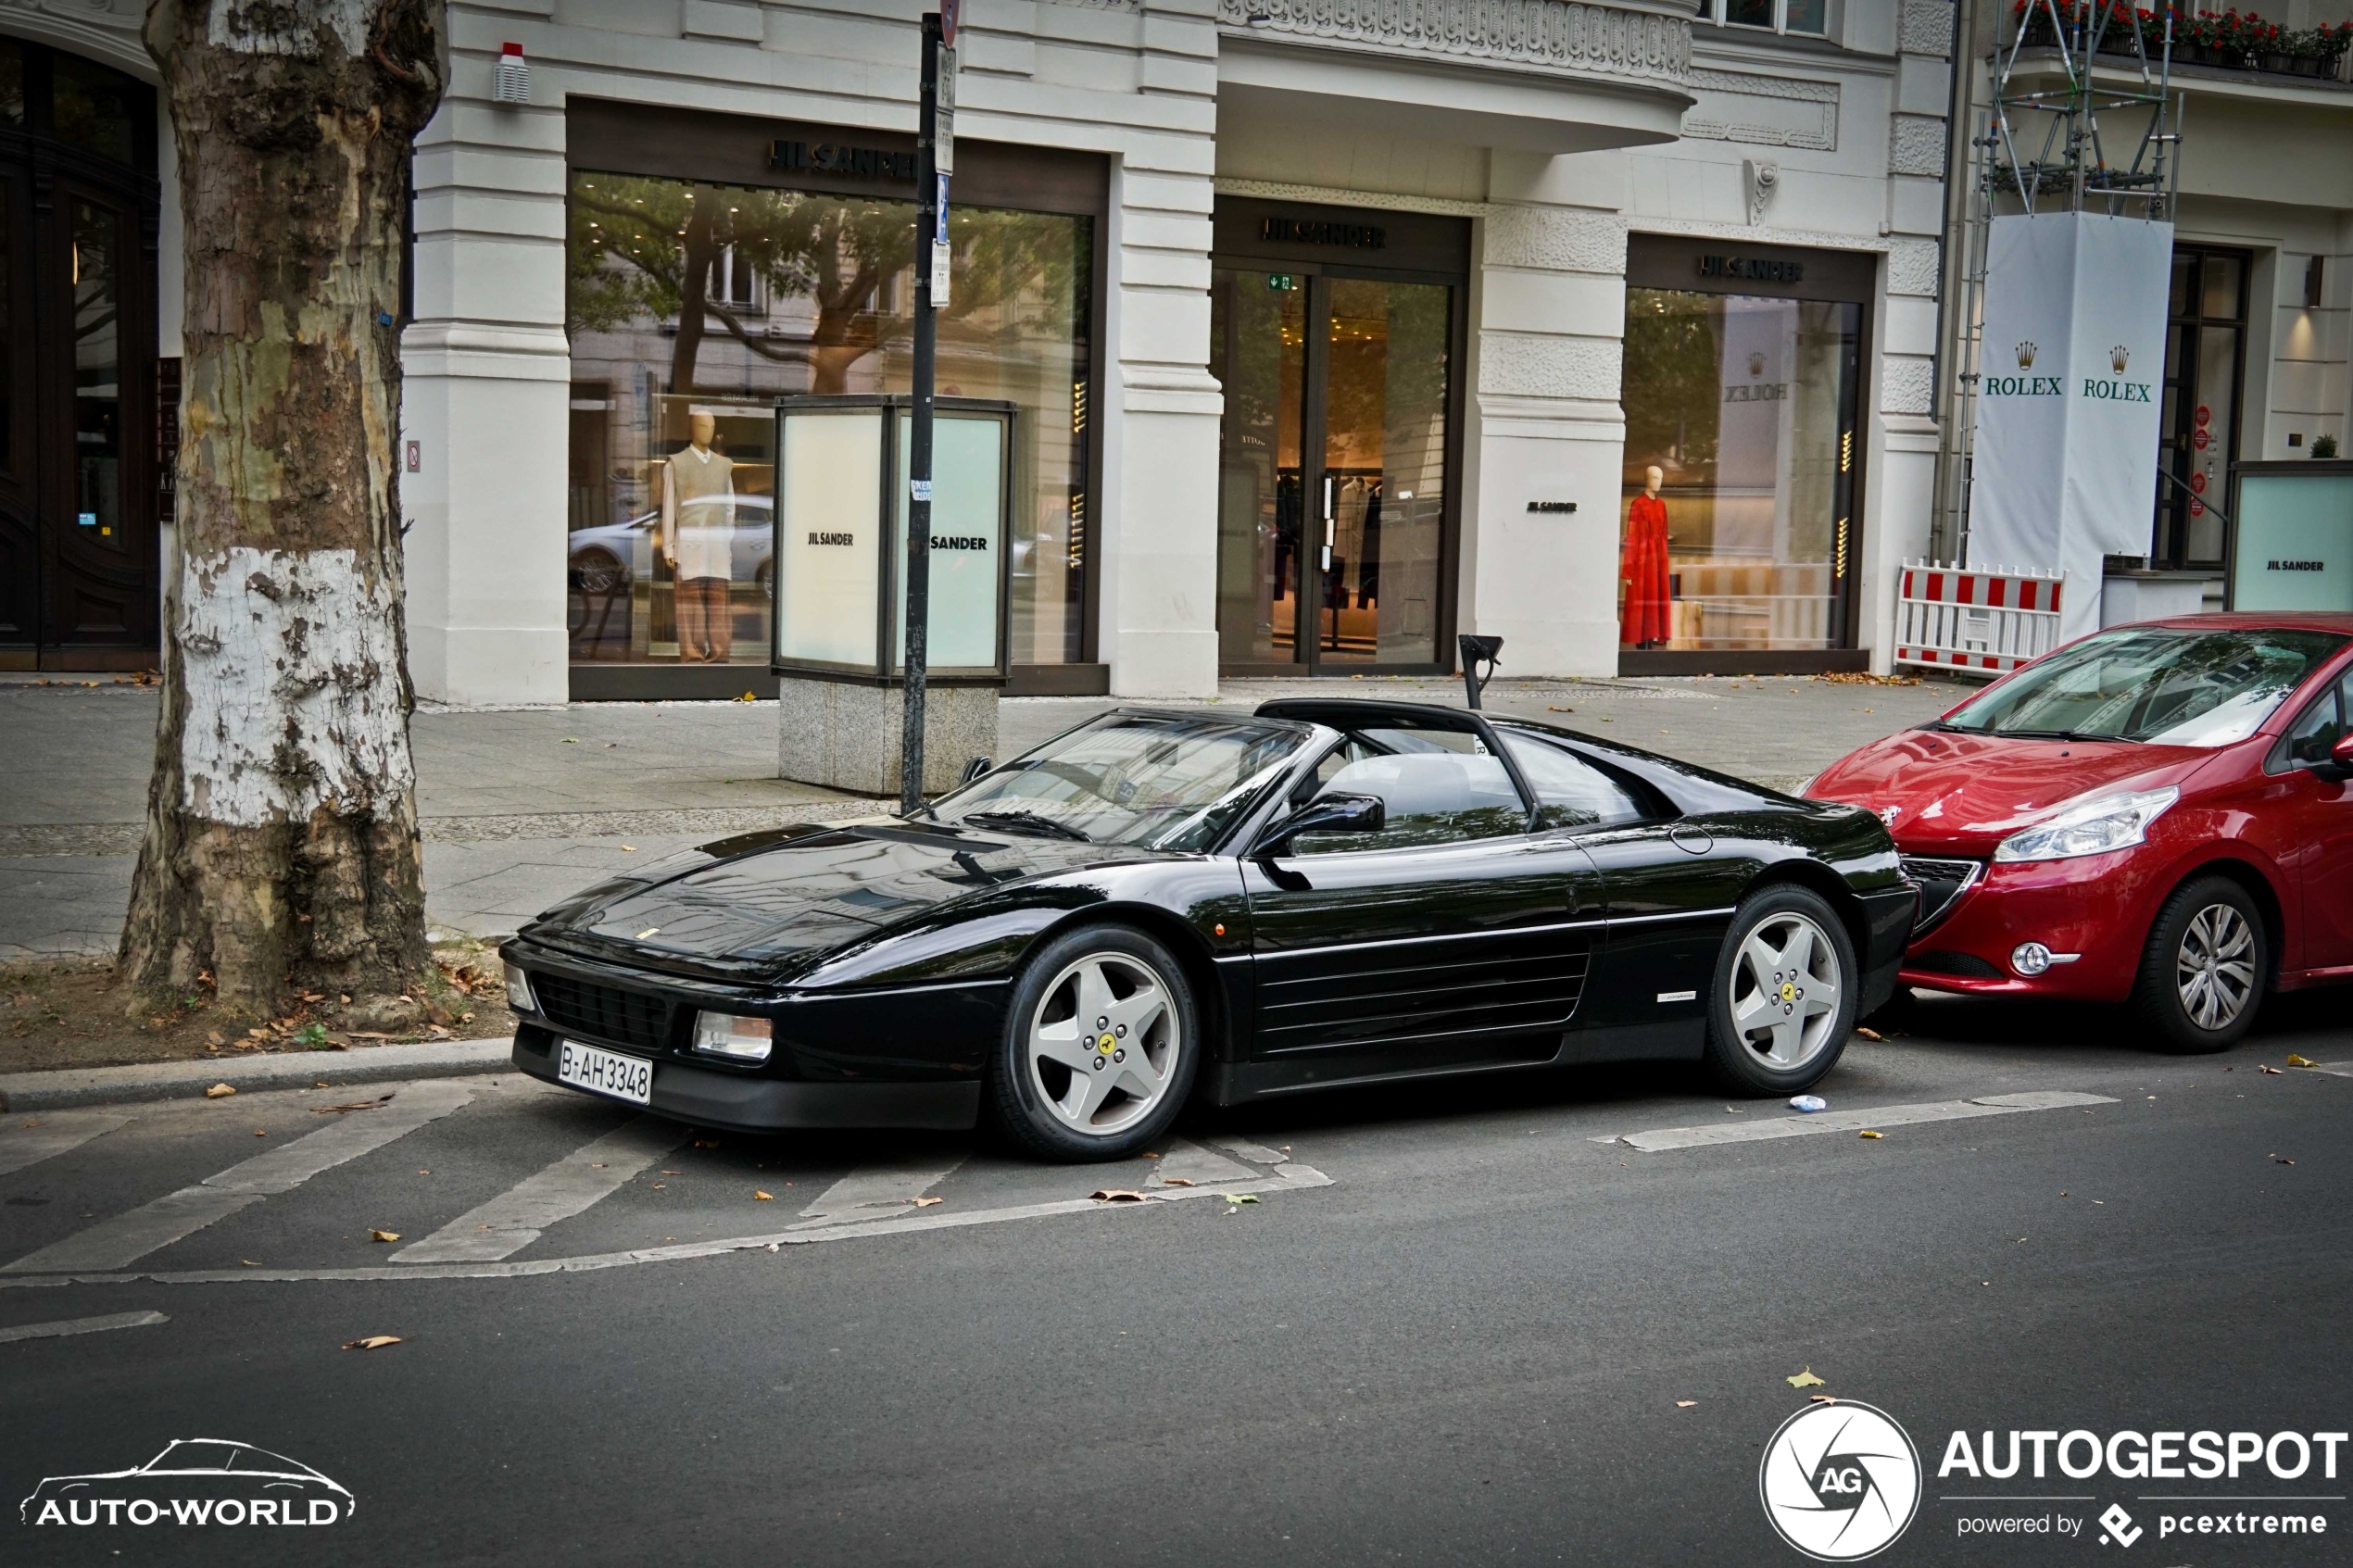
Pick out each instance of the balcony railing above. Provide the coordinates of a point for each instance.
(1568, 36)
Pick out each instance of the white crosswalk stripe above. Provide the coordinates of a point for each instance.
(515, 1219)
(119, 1242)
(870, 1191)
(42, 1138)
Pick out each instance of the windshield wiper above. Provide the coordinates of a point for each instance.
(2050, 735)
(1032, 821)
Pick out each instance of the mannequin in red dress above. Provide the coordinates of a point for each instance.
(1643, 621)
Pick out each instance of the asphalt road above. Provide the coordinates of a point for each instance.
(1469, 1347)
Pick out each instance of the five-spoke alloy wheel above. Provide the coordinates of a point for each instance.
(1101, 1041)
(1787, 984)
(2205, 969)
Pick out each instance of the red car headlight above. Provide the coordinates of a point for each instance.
(2093, 827)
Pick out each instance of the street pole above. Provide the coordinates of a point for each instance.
(935, 159)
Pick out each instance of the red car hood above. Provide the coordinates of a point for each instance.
(1962, 793)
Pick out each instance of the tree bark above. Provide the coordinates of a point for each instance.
(282, 843)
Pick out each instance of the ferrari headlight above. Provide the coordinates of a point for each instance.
(519, 995)
(2093, 827)
(737, 1039)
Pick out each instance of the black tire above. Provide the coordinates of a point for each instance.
(2180, 1015)
(1030, 1096)
(1743, 1063)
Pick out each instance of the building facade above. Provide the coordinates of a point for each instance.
(1331, 330)
(2257, 363)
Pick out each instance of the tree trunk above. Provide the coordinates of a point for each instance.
(282, 842)
(694, 280)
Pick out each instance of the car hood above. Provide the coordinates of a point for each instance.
(761, 900)
(1943, 791)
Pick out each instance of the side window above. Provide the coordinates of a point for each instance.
(2317, 729)
(1437, 796)
(1571, 792)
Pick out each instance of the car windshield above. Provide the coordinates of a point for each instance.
(1157, 781)
(2166, 685)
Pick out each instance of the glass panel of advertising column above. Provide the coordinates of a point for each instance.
(1740, 467)
(1258, 348)
(2295, 548)
(967, 521)
(1384, 470)
(829, 567)
(686, 295)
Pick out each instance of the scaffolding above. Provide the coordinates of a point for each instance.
(2038, 148)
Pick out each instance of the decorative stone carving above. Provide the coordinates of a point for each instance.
(1771, 111)
(1927, 28)
(1542, 365)
(1912, 267)
(104, 30)
(1906, 385)
(1759, 183)
(1563, 35)
(1916, 145)
(1556, 239)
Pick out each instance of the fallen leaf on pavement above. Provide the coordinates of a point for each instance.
(218, 1091)
(706, 1142)
(1872, 1035)
(1239, 1197)
(1116, 1195)
(2276, 1159)
(384, 1235)
(1685, 1404)
(2271, 1070)
(260, 1133)
(1150, 1155)
(1177, 1182)
(214, 1036)
(1807, 1380)
(2296, 1060)
(248, 1262)
(1554, 707)
(759, 1197)
(1869, 1134)
(926, 1202)
(374, 1342)
(355, 1104)
(1822, 1399)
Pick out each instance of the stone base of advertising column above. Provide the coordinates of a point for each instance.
(846, 734)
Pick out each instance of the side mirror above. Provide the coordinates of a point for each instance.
(979, 767)
(2340, 763)
(1330, 813)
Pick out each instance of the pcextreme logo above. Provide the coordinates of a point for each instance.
(1839, 1482)
(194, 1481)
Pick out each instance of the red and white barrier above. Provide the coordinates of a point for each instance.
(1947, 618)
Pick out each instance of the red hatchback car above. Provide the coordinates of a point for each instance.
(2157, 813)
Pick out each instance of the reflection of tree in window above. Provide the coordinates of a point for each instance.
(686, 254)
(1671, 385)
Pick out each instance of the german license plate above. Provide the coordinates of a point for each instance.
(605, 1072)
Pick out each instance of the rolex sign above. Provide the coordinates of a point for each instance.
(2070, 370)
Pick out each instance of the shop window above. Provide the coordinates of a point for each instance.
(95, 107)
(1740, 471)
(11, 83)
(2205, 355)
(694, 308)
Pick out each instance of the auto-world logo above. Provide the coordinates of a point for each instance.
(194, 1481)
(1839, 1482)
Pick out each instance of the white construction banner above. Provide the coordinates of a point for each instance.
(2071, 367)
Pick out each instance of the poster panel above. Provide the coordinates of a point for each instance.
(967, 534)
(828, 558)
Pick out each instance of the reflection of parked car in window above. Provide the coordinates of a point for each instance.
(607, 559)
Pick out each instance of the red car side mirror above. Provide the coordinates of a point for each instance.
(2341, 754)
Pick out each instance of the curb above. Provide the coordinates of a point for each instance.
(189, 1080)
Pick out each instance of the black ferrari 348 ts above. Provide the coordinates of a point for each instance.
(1162, 904)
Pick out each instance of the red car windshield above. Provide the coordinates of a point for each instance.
(2165, 685)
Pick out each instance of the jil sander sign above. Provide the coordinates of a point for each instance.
(1753, 269)
(839, 158)
(1320, 232)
